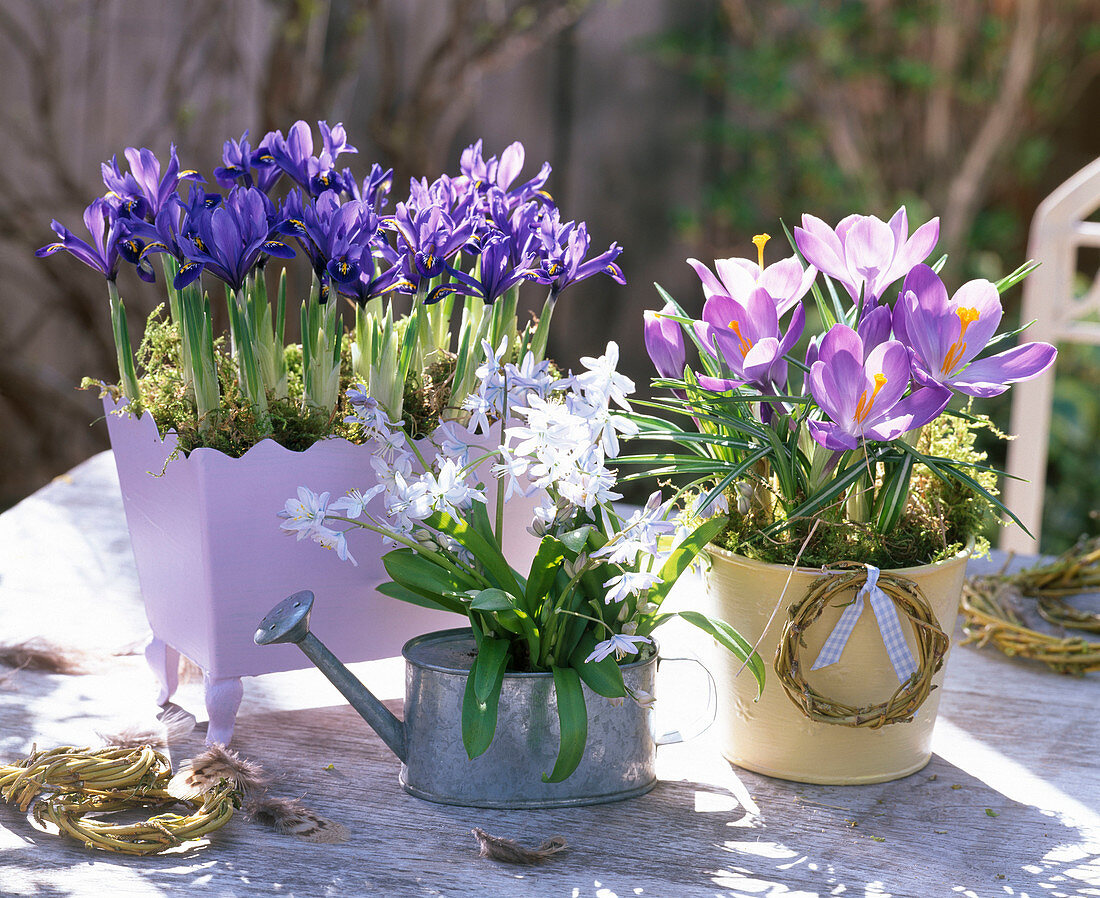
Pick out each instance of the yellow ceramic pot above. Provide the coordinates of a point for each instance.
(772, 735)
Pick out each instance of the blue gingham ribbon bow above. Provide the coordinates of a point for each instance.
(888, 624)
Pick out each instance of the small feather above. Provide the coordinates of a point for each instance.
(203, 773)
(176, 724)
(511, 852)
(290, 817)
(37, 654)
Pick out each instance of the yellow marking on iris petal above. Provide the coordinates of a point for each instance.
(200, 243)
(863, 407)
(746, 345)
(760, 240)
(189, 172)
(967, 316)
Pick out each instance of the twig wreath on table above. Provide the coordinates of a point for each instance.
(992, 611)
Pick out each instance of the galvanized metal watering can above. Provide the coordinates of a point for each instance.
(619, 759)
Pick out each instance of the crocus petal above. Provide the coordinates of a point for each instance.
(869, 244)
(737, 279)
(717, 384)
(891, 360)
(711, 284)
(981, 296)
(874, 327)
(824, 240)
(720, 309)
(915, 410)
(991, 376)
(840, 339)
(664, 341)
(760, 359)
(831, 437)
(794, 330)
(916, 249)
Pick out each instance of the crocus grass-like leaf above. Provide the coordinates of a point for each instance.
(493, 599)
(544, 568)
(572, 723)
(950, 470)
(439, 602)
(1013, 278)
(479, 719)
(492, 657)
(730, 639)
(893, 494)
(683, 555)
(487, 552)
(840, 482)
(603, 677)
(937, 266)
(422, 575)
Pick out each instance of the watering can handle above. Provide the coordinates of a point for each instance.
(703, 722)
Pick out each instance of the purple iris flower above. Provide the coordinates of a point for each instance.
(945, 335)
(520, 224)
(173, 219)
(565, 263)
(369, 284)
(431, 236)
(294, 155)
(785, 281)
(865, 396)
(229, 240)
(864, 253)
(481, 174)
(664, 341)
(376, 186)
(747, 339)
(336, 237)
(143, 191)
(498, 273)
(105, 228)
(251, 168)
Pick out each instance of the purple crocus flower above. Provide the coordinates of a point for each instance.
(747, 340)
(785, 281)
(105, 227)
(864, 253)
(944, 336)
(664, 341)
(865, 397)
(142, 191)
(229, 239)
(498, 274)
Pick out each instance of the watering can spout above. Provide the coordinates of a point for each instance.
(289, 622)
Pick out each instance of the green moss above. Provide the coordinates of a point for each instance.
(941, 517)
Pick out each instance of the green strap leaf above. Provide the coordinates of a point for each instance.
(572, 722)
(492, 656)
(485, 551)
(683, 555)
(422, 576)
(543, 569)
(438, 602)
(493, 599)
(479, 718)
(730, 639)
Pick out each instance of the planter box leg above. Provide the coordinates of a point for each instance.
(223, 698)
(164, 661)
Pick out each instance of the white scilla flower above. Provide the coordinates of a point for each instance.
(622, 645)
(629, 583)
(306, 513)
(333, 539)
(354, 504)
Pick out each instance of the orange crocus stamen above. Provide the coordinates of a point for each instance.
(863, 407)
(967, 316)
(746, 345)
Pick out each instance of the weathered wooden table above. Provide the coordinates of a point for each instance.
(1009, 805)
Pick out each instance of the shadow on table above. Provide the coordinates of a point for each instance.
(736, 834)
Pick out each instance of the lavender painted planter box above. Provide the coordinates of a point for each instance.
(212, 560)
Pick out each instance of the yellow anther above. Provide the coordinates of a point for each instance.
(760, 240)
(746, 345)
(967, 316)
(863, 407)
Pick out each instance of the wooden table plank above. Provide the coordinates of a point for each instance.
(1013, 738)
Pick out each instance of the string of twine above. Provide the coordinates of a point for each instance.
(990, 615)
(932, 645)
(64, 785)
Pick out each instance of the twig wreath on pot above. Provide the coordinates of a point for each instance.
(848, 453)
